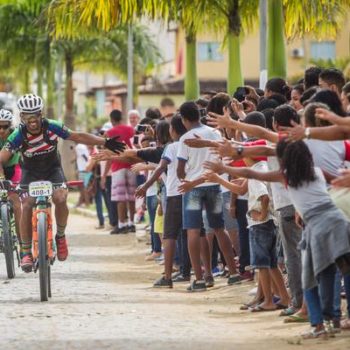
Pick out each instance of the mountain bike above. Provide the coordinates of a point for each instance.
(8, 237)
(43, 246)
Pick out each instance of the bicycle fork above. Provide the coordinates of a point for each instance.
(35, 239)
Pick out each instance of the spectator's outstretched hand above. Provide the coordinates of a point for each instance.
(294, 133)
(115, 146)
(219, 121)
(224, 149)
(198, 142)
(185, 186)
(103, 155)
(343, 180)
(216, 167)
(141, 192)
(210, 176)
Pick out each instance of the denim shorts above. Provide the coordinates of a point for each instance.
(229, 221)
(262, 242)
(193, 202)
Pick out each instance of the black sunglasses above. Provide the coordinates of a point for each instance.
(5, 127)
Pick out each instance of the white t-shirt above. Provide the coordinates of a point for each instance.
(257, 189)
(152, 190)
(310, 195)
(328, 155)
(195, 157)
(280, 195)
(82, 153)
(172, 181)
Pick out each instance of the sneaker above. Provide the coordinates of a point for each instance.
(246, 276)
(99, 227)
(62, 248)
(313, 333)
(118, 231)
(197, 286)
(163, 283)
(209, 281)
(132, 228)
(329, 327)
(153, 256)
(216, 271)
(27, 263)
(234, 279)
(179, 278)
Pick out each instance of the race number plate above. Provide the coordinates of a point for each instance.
(40, 189)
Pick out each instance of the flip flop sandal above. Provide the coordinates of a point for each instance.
(288, 312)
(281, 306)
(296, 319)
(313, 334)
(258, 308)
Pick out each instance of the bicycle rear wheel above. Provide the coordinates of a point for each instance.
(43, 257)
(7, 239)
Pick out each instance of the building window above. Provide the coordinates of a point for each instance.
(209, 51)
(323, 50)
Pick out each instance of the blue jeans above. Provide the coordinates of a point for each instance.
(262, 240)
(100, 193)
(194, 201)
(320, 299)
(337, 296)
(152, 202)
(243, 232)
(347, 291)
(111, 205)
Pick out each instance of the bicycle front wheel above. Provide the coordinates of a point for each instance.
(43, 256)
(7, 239)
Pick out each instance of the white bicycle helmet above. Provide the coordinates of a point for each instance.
(30, 103)
(6, 116)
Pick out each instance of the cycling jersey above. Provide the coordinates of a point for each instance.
(39, 152)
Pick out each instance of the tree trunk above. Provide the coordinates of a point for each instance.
(276, 51)
(235, 77)
(67, 148)
(191, 78)
(69, 118)
(39, 80)
(50, 85)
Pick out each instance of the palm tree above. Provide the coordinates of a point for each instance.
(322, 18)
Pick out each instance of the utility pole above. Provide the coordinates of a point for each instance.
(130, 69)
(263, 41)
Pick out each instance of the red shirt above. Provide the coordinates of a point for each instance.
(240, 162)
(125, 133)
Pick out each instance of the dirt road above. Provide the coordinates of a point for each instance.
(102, 299)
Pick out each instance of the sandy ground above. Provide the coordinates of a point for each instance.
(102, 299)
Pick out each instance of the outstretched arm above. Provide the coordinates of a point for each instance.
(141, 190)
(326, 133)
(224, 121)
(270, 176)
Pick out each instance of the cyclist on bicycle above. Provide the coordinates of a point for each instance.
(12, 169)
(36, 139)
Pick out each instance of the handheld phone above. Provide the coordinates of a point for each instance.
(135, 140)
(141, 128)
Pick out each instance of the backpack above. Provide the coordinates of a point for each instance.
(45, 125)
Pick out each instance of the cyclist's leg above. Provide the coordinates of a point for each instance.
(59, 198)
(26, 234)
(17, 209)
